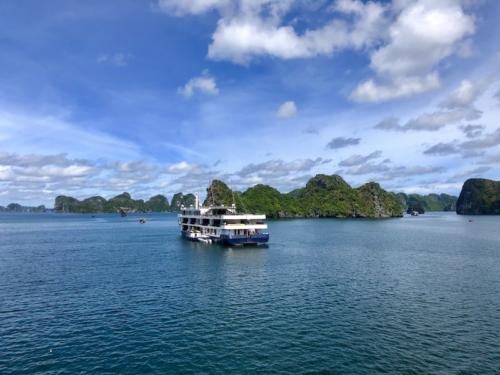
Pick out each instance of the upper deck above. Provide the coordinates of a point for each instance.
(221, 217)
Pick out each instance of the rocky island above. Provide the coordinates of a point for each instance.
(431, 202)
(479, 196)
(323, 196)
(16, 207)
(124, 201)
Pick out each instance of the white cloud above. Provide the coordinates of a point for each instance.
(181, 7)
(424, 33)
(204, 84)
(182, 167)
(287, 110)
(396, 87)
(407, 40)
(464, 96)
(246, 34)
(439, 119)
(279, 168)
(359, 159)
(118, 59)
(250, 28)
(458, 106)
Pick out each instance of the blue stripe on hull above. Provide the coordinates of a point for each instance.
(232, 240)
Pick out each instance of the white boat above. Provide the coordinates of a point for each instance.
(222, 224)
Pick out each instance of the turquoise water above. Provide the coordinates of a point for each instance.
(107, 295)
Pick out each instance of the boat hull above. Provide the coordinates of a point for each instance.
(234, 240)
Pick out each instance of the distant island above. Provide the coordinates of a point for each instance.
(122, 202)
(431, 202)
(322, 196)
(479, 196)
(16, 207)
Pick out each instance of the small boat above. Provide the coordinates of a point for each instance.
(142, 221)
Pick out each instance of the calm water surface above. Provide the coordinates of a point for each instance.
(107, 295)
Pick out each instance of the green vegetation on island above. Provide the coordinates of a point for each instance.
(479, 197)
(158, 203)
(323, 196)
(430, 202)
(98, 204)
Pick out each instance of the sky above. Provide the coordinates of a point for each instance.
(162, 96)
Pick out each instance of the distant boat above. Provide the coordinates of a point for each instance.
(220, 224)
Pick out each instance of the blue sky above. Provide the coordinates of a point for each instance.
(100, 97)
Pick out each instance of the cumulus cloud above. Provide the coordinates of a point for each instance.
(286, 110)
(39, 178)
(464, 96)
(406, 40)
(35, 174)
(182, 167)
(396, 87)
(458, 106)
(252, 29)
(248, 29)
(204, 84)
(359, 159)
(424, 33)
(341, 142)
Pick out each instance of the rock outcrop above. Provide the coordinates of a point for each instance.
(479, 197)
(323, 196)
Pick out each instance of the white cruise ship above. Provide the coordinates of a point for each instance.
(222, 225)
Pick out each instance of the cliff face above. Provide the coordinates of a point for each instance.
(218, 193)
(180, 199)
(323, 196)
(158, 203)
(479, 197)
(376, 202)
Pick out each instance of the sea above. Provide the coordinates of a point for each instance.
(102, 294)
